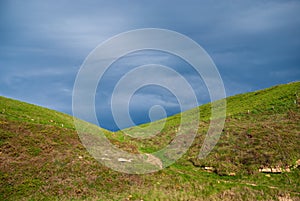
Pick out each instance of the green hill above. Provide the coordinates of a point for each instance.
(42, 158)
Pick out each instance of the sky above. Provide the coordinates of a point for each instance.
(254, 44)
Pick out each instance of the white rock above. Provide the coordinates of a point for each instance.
(124, 160)
(154, 160)
(271, 170)
(209, 168)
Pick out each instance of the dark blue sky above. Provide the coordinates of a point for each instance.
(254, 44)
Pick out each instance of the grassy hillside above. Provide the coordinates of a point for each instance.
(42, 158)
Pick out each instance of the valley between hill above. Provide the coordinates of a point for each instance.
(256, 158)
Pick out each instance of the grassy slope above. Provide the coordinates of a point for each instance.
(41, 156)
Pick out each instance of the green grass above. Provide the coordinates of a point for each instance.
(23, 112)
(42, 158)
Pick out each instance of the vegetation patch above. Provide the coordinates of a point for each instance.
(42, 157)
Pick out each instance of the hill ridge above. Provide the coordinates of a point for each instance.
(42, 159)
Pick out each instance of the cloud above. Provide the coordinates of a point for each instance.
(255, 44)
(269, 16)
